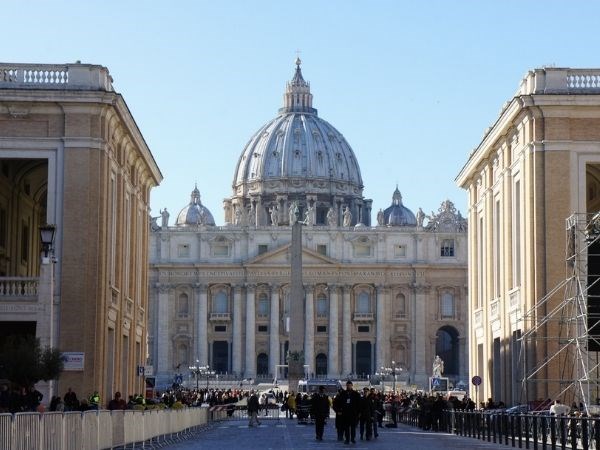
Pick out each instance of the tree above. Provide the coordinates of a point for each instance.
(24, 362)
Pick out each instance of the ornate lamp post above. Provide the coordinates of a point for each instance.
(201, 371)
(393, 370)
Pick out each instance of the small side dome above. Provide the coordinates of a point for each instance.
(194, 213)
(398, 215)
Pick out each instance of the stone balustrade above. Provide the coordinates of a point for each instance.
(552, 80)
(55, 76)
(19, 287)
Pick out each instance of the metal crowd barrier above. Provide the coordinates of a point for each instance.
(535, 430)
(95, 430)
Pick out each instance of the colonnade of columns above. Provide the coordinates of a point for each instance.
(338, 341)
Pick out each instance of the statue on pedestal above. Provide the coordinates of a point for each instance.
(331, 217)
(274, 211)
(165, 218)
(420, 218)
(293, 213)
(438, 367)
(347, 217)
(380, 218)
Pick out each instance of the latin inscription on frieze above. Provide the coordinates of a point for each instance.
(285, 273)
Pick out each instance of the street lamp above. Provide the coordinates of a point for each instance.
(393, 370)
(200, 371)
(47, 238)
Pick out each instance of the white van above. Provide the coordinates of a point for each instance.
(312, 385)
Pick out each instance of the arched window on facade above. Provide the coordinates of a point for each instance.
(321, 364)
(263, 305)
(182, 355)
(446, 347)
(262, 364)
(363, 303)
(183, 305)
(447, 305)
(220, 303)
(322, 305)
(400, 306)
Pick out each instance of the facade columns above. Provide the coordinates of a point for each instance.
(250, 370)
(418, 337)
(162, 339)
(346, 333)
(332, 353)
(237, 331)
(274, 331)
(309, 330)
(380, 333)
(203, 322)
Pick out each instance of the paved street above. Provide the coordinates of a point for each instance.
(288, 434)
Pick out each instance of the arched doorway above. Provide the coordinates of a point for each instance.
(446, 347)
(262, 364)
(321, 364)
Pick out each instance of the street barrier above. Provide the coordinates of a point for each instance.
(95, 430)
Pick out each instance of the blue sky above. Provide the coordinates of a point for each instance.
(411, 85)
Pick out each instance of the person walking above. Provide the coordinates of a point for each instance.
(320, 411)
(350, 402)
(337, 407)
(291, 403)
(366, 415)
(253, 407)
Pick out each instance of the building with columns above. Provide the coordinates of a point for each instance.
(533, 186)
(373, 293)
(72, 156)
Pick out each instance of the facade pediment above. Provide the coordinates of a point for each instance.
(282, 256)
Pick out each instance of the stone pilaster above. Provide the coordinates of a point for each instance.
(346, 333)
(274, 331)
(203, 322)
(418, 337)
(380, 332)
(250, 371)
(309, 330)
(333, 356)
(162, 338)
(237, 331)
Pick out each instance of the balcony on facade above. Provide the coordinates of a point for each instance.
(363, 317)
(19, 288)
(220, 317)
(75, 76)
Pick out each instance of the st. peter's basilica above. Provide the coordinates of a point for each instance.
(394, 290)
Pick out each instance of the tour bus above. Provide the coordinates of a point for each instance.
(311, 386)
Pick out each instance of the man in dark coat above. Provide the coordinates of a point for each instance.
(337, 407)
(320, 411)
(350, 403)
(253, 407)
(366, 415)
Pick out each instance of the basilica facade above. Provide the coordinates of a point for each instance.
(391, 293)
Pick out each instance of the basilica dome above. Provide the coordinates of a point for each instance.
(297, 156)
(398, 215)
(195, 213)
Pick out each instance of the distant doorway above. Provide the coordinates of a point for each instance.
(321, 364)
(363, 358)
(262, 364)
(220, 357)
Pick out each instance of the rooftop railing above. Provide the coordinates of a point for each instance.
(552, 80)
(55, 76)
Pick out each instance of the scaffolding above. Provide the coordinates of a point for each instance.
(566, 323)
